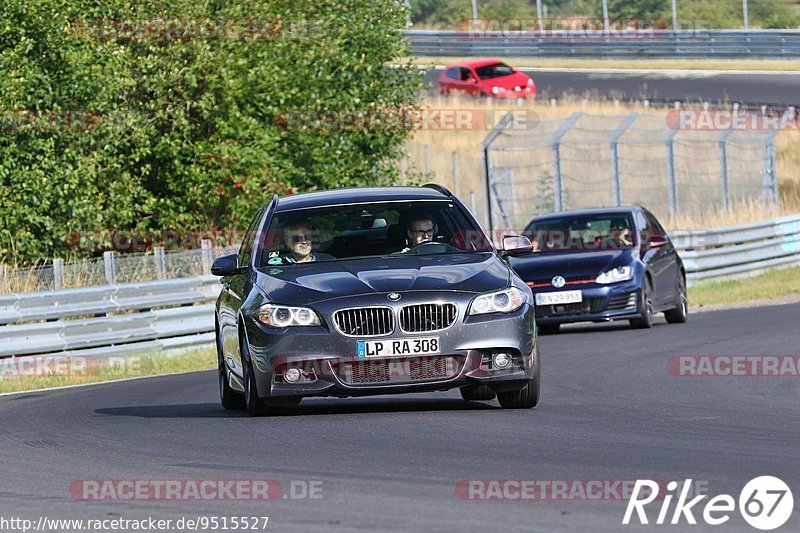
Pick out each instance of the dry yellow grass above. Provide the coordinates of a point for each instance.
(466, 143)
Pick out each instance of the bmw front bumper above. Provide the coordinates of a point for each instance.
(329, 363)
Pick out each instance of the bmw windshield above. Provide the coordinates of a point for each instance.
(357, 231)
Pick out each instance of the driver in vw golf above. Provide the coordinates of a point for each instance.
(420, 227)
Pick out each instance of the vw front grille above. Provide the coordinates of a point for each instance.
(427, 317)
(365, 321)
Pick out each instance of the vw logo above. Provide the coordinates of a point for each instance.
(393, 296)
(558, 282)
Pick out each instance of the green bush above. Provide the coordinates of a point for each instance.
(103, 128)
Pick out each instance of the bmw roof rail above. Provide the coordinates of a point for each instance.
(441, 188)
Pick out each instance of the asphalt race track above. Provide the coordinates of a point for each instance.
(609, 411)
(686, 86)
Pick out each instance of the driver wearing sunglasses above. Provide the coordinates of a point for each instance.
(420, 227)
(298, 237)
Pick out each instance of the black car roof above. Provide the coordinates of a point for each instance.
(350, 196)
(592, 211)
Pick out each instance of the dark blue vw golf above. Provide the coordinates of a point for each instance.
(600, 265)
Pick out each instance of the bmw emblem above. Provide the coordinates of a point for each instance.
(393, 296)
(558, 281)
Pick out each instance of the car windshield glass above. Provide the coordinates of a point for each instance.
(582, 233)
(494, 71)
(357, 231)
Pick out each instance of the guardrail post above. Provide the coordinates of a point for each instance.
(723, 167)
(769, 182)
(4, 277)
(58, 274)
(616, 185)
(110, 264)
(456, 177)
(207, 256)
(672, 185)
(160, 260)
(486, 145)
(558, 186)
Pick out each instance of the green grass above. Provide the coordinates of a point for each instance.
(771, 285)
(671, 64)
(129, 367)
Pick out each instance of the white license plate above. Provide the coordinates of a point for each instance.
(397, 347)
(560, 297)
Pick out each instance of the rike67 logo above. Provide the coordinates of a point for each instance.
(765, 503)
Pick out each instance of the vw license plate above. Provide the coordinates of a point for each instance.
(560, 297)
(397, 347)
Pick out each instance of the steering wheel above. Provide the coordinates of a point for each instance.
(427, 244)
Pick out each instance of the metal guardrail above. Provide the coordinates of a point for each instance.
(138, 326)
(51, 322)
(741, 250)
(619, 44)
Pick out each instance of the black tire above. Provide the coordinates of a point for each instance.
(528, 396)
(645, 318)
(680, 314)
(252, 403)
(229, 398)
(548, 329)
(477, 393)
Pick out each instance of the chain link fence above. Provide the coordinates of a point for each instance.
(599, 160)
(112, 268)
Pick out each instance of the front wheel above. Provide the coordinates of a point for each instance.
(252, 403)
(477, 393)
(528, 396)
(680, 314)
(549, 329)
(645, 318)
(229, 398)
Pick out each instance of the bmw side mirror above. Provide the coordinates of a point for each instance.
(227, 265)
(516, 244)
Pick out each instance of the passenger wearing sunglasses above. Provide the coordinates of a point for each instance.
(298, 237)
(420, 227)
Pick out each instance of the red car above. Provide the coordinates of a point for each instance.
(486, 77)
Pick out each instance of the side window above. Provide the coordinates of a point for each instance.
(654, 225)
(247, 243)
(452, 73)
(465, 73)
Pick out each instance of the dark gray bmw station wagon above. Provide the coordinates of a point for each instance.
(369, 291)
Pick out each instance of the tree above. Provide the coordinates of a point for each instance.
(178, 111)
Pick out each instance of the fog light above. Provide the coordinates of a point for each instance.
(292, 375)
(501, 360)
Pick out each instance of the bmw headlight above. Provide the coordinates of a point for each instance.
(282, 316)
(498, 90)
(622, 273)
(505, 301)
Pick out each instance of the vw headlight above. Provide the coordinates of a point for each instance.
(622, 273)
(498, 90)
(505, 301)
(282, 316)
